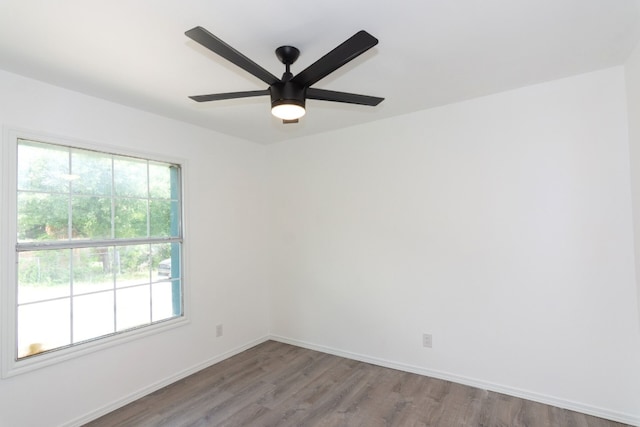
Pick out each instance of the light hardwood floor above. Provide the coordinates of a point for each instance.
(275, 384)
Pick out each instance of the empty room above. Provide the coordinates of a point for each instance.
(336, 213)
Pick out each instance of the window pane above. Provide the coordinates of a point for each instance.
(175, 219)
(93, 316)
(42, 216)
(160, 180)
(91, 173)
(161, 261)
(43, 275)
(176, 297)
(164, 218)
(132, 265)
(133, 307)
(130, 177)
(43, 326)
(168, 302)
(43, 167)
(91, 217)
(162, 301)
(160, 217)
(130, 218)
(92, 270)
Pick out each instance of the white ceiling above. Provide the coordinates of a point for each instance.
(431, 52)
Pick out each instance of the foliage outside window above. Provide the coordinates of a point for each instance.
(99, 245)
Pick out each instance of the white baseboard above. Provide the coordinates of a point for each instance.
(163, 383)
(511, 391)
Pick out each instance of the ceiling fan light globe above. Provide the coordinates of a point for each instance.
(288, 111)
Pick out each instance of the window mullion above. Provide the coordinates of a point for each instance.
(148, 202)
(70, 234)
(70, 201)
(113, 236)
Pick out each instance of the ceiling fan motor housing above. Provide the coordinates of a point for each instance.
(287, 93)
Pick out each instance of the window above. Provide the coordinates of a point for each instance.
(98, 246)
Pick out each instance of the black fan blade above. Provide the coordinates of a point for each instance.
(214, 44)
(229, 95)
(349, 98)
(358, 44)
(288, 122)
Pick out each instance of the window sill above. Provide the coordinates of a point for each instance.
(12, 367)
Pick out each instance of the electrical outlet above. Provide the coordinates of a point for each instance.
(427, 340)
(219, 330)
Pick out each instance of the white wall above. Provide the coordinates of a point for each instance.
(500, 225)
(224, 244)
(632, 77)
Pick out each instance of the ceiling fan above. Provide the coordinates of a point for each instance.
(288, 94)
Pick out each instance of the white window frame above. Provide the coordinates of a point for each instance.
(9, 366)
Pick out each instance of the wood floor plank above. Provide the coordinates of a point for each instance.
(275, 384)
